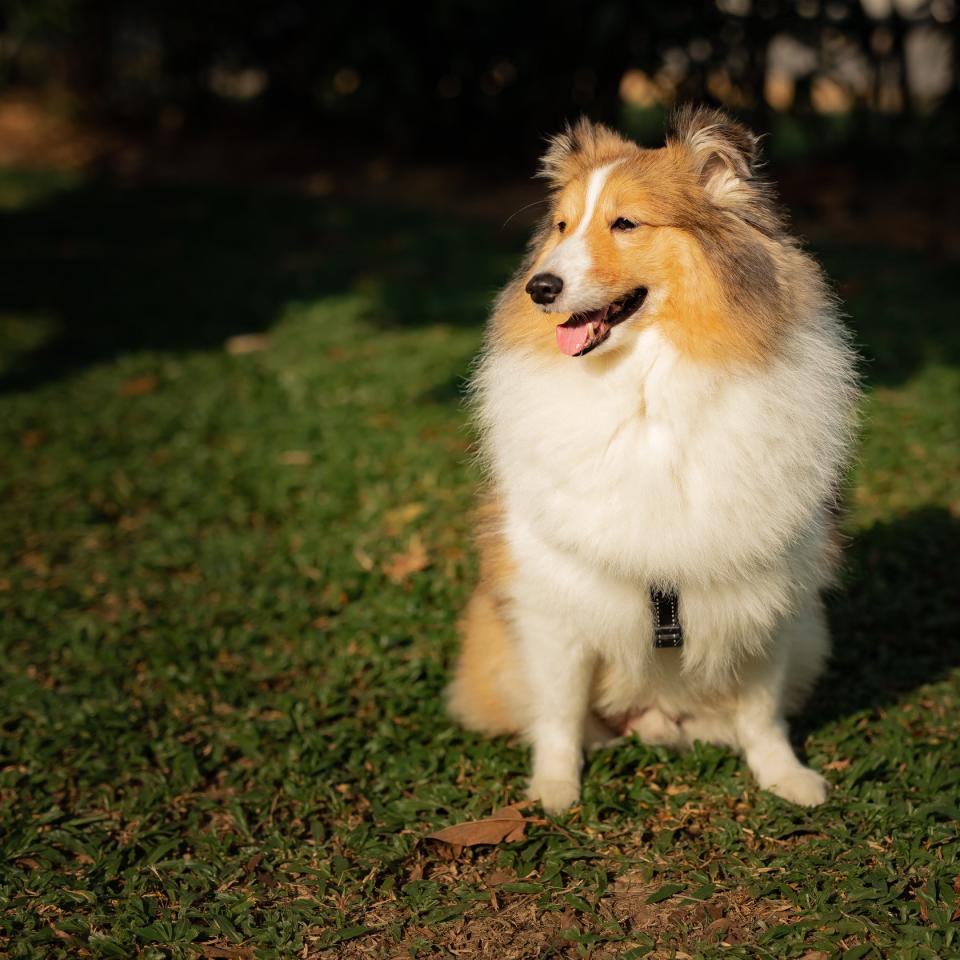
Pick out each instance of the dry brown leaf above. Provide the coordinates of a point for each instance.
(410, 561)
(138, 386)
(836, 765)
(246, 343)
(363, 558)
(399, 517)
(503, 826)
(224, 951)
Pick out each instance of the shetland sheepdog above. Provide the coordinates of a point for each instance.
(666, 402)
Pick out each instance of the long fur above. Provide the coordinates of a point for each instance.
(699, 450)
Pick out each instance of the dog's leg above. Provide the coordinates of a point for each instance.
(597, 734)
(761, 734)
(559, 670)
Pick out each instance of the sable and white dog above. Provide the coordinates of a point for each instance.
(666, 399)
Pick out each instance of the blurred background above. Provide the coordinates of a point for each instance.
(344, 94)
(439, 80)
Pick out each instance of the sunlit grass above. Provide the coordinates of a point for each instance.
(222, 721)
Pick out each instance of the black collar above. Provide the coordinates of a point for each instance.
(667, 631)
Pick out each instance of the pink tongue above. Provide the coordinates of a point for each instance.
(572, 339)
(574, 335)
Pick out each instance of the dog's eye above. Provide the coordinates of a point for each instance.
(622, 223)
(561, 226)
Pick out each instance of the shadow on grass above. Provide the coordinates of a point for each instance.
(901, 307)
(895, 619)
(110, 270)
(107, 270)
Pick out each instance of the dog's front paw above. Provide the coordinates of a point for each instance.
(555, 796)
(803, 786)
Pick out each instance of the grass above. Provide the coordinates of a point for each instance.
(222, 734)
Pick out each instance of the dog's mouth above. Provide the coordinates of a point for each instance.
(585, 331)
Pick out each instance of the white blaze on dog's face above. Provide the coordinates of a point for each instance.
(571, 260)
(678, 236)
(585, 270)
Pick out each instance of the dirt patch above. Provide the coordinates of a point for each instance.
(516, 927)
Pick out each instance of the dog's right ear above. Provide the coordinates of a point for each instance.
(559, 164)
(582, 145)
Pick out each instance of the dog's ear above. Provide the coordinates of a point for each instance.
(580, 146)
(723, 153)
(559, 164)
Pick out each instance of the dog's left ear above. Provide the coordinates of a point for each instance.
(723, 153)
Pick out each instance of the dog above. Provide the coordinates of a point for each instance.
(666, 401)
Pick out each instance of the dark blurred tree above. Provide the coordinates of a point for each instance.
(444, 77)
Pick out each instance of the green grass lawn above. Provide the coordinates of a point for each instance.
(222, 731)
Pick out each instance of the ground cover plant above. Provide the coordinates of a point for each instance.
(232, 569)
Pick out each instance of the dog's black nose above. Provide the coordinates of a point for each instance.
(544, 287)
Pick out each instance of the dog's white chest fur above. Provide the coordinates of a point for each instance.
(655, 470)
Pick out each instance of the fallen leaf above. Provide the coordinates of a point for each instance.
(246, 343)
(836, 765)
(31, 438)
(363, 558)
(412, 560)
(218, 951)
(399, 517)
(63, 935)
(138, 386)
(500, 876)
(505, 825)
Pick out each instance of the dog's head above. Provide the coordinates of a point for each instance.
(686, 235)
